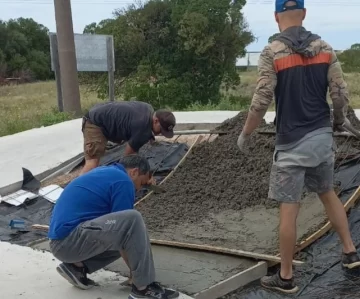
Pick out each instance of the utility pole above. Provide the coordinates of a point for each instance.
(67, 57)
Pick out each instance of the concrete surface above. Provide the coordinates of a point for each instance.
(188, 271)
(39, 150)
(31, 274)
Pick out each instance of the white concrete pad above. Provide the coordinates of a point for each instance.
(38, 150)
(31, 274)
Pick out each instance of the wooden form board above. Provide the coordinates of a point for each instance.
(221, 250)
(323, 230)
(235, 282)
(197, 140)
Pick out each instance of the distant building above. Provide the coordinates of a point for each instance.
(251, 59)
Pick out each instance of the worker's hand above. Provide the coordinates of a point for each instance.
(152, 181)
(341, 127)
(243, 143)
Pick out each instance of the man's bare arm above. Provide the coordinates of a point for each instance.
(338, 90)
(129, 150)
(264, 92)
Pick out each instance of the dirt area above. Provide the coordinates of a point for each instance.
(219, 196)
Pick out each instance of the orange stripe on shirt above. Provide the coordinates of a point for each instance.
(299, 60)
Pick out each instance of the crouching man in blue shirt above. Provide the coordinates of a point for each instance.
(94, 223)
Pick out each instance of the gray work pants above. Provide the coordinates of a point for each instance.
(97, 243)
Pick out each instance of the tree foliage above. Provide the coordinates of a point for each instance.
(24, 47)
(175, 52)
(350, 59)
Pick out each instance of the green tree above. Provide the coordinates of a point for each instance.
(350, 59)
(24, 47)
(175, 52)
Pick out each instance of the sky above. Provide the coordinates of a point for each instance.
(336, 21)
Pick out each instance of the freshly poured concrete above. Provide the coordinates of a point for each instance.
(31, 274)
(43, 149)
(185, 270)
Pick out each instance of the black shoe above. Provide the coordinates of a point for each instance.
(351, 260)
(275, 282)
(153, 291)
(76, 276)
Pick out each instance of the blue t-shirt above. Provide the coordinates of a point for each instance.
(101, 191)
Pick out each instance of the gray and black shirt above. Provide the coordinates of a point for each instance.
(124, 121)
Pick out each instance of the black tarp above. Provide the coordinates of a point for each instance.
(162, 157)
(323, 276)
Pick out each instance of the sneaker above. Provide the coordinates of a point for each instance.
(351, 260)
(275, 282)
(76, 276)
(153, 291)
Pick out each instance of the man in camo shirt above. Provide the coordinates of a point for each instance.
(298, 67)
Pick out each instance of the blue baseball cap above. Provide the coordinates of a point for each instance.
(280, 5)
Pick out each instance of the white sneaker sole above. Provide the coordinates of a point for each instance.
(292, 291)
(352, 266)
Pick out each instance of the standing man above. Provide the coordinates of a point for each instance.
(298, 68)
(94, 223)
(133, 121)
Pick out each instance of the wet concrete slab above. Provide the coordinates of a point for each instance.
(185, 270)
(31, 274)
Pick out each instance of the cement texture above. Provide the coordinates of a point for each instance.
(187, 271)
(31, 274)
(219, 196)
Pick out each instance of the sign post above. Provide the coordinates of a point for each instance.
(55, 59)
(94, 53)
(111, 66)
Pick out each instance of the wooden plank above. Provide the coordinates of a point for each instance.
(323, 230)
(197, 140)
(228, 251)
(234, 282)
(234, 252)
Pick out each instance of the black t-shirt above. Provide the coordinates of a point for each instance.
(124, 121)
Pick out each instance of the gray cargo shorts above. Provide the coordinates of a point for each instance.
(309, 164)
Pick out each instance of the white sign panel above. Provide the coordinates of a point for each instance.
(92, 52)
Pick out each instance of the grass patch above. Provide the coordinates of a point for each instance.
(27, 106)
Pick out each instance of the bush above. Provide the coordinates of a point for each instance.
(175, 53)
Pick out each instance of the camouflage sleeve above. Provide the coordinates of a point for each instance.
(266, 83)
(338, 90)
